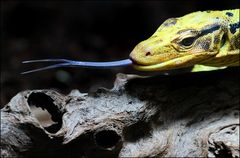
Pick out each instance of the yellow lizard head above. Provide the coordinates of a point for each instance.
(181, 42)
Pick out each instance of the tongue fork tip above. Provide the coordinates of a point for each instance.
(69, 63)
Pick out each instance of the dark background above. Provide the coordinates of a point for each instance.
(92, 31)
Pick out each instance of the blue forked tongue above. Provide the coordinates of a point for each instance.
(72, 63)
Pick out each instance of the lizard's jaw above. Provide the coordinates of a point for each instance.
(180, 62)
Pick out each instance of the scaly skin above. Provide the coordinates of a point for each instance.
(208, 38)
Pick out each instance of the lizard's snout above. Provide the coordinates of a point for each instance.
(134, 61)
(141, 55)
(135, 57)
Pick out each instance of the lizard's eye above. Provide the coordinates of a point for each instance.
(187, 41)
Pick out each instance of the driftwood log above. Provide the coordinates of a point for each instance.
(181, 115)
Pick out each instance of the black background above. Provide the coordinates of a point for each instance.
(84, 30)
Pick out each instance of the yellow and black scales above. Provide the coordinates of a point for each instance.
(210, 38)
(207, 40)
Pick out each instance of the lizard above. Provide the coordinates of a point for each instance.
(202, 38)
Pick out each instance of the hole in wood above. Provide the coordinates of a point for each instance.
(220, 150)
(137, 131)
(45, 111)
(107, 139)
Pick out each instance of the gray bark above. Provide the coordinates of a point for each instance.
(182, 115)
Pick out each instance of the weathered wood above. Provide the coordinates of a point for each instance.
(192, 114)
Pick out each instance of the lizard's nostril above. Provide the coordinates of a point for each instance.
(148, 53)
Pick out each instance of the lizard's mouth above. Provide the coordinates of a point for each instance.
(179, 62)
